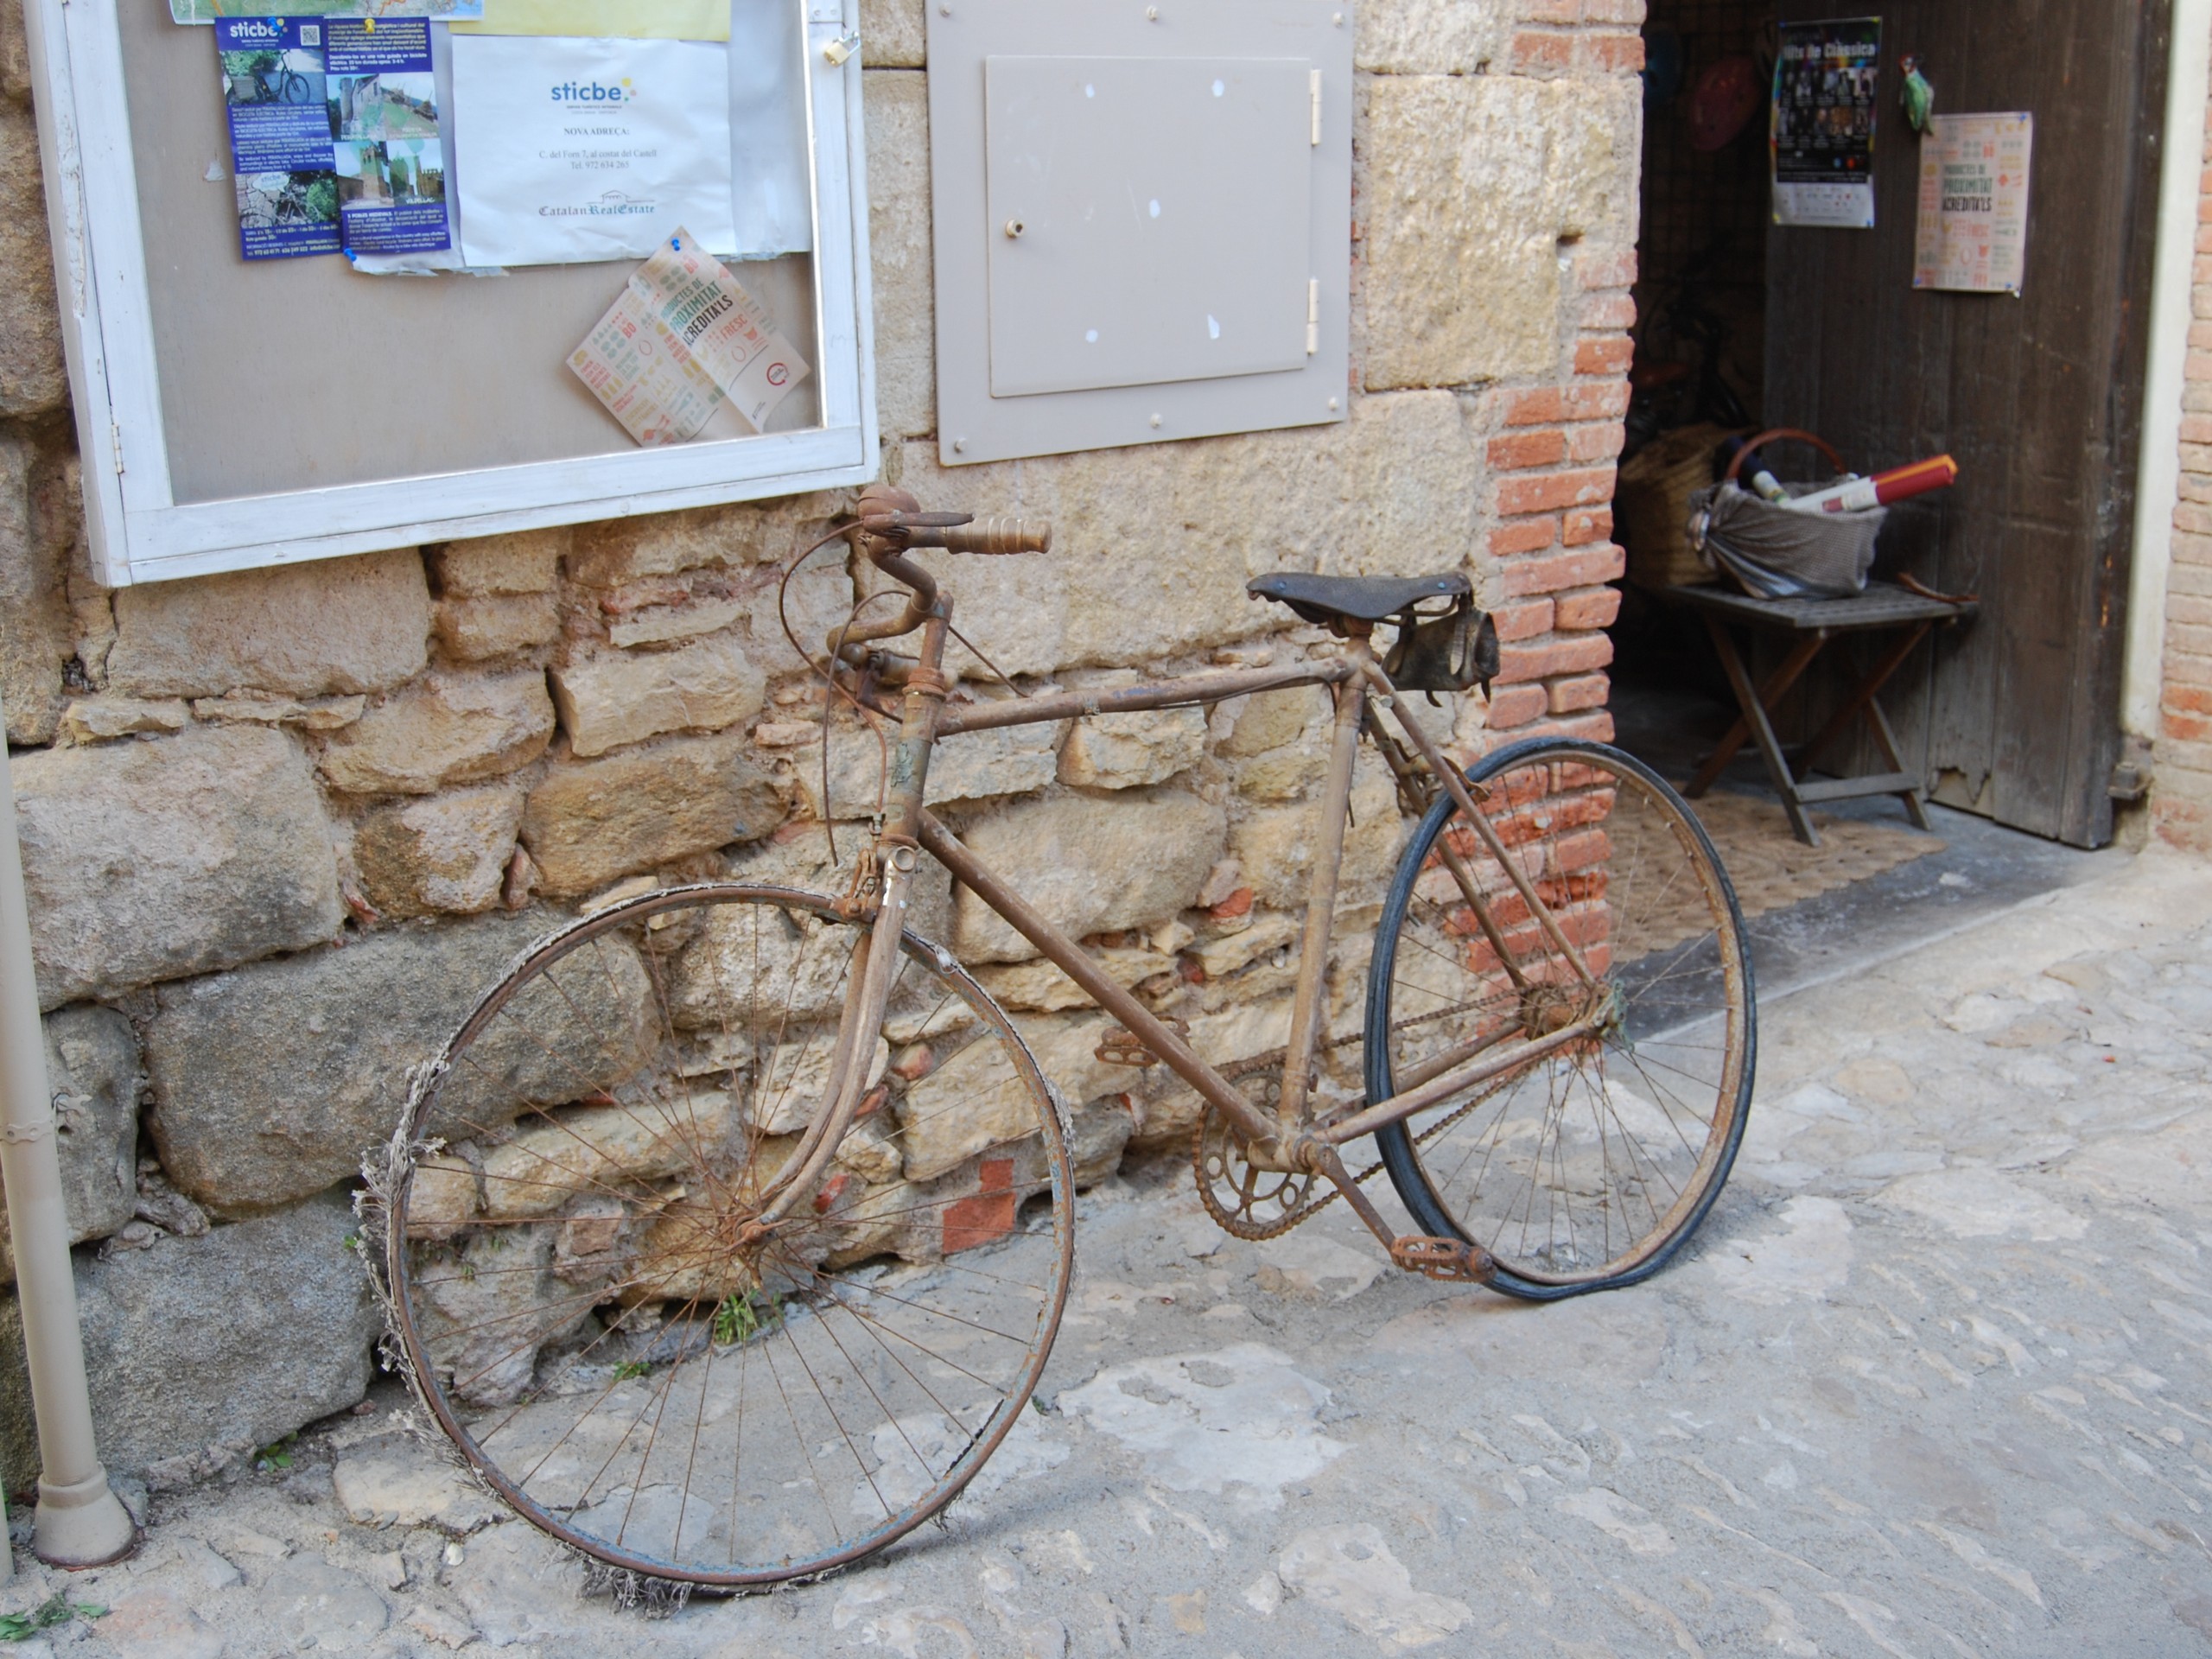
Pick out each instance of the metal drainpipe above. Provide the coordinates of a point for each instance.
(81, 1522)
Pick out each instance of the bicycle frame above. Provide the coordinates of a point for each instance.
(1293, 1139)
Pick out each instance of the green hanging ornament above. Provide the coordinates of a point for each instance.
(1919, 97)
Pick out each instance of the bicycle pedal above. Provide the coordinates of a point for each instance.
(1443, 1258)
(1122, 1046)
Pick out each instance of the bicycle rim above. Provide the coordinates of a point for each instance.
(1587, 1169)
(575, 1296)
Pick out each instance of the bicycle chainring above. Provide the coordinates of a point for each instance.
(1245, 1200)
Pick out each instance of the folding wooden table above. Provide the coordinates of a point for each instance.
(1883, 607)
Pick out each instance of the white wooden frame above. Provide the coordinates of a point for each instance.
(138, 530)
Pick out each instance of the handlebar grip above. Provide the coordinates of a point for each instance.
(996, 535)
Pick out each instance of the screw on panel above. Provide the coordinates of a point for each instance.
(1155, 420)
(959, 446)
(1014, 228)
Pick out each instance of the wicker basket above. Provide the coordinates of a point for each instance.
(1651, 506)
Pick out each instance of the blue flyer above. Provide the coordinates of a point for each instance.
(389, 153)
(281, 156)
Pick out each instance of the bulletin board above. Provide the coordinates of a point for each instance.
(235, 413)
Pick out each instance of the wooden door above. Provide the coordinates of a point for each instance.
(2039, 398)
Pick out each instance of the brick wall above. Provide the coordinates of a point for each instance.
(281, 826)
(2182, 799)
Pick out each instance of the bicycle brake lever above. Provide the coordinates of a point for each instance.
(880, 523)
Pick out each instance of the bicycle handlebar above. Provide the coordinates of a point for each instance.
(960, 532)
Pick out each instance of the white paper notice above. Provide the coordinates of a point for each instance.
(574, 150)
(1974, 203)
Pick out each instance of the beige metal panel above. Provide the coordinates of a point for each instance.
(1019, 383)
(290, 374)
(1154, 215)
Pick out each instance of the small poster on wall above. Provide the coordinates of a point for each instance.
(572, 150)
(1974, 203)
(1823, 123)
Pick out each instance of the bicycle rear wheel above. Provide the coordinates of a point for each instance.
(574, 1289)
(1585, 1169)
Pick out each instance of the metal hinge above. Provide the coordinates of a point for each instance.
(1312, 316)
(1313, 87)
(115, 444)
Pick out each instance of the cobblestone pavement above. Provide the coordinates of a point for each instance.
(1933, 1381)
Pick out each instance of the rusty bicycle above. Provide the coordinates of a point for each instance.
(729, 1236)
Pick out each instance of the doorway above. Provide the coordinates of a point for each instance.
(1743, 324)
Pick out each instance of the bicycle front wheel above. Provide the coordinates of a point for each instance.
(1587, 1168)
(587, 1310)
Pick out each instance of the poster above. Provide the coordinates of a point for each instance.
(1974, 203)
(334, 135)
(570, 150)
(276, 102)
(683, 339)
(206, 11)
(1825, 76)
(389, 156)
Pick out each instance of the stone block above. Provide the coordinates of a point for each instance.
(317, 715)
(685, 618)
(15, 52)
(34, 622)
(894, 34)
(449, 729)
(447, 853)
(92, 1069)
(33, 377)
(974, 1099)
(819, 599)
(589, 822)
(1432, 37)
(607, 701)
(970, 767)
(550, 1163)
(1090, 865)
(797, 855)
(96, 719)
(618, 551)
(175, 856)
(359, 624)
(899, 253)
(1039, 985)
(1168, 1110)
(1126, 751)
(1153, 546)
(523, 561)
(229, 1341)
(269, 1083)
(1472, 181)
(1275, 845)
(474, 629)
(1271, 719)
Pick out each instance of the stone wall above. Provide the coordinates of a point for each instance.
(2182, 796)
(281, 827)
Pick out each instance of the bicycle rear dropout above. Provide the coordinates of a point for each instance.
(729, 1237)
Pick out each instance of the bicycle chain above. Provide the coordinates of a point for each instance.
(1239, 1228)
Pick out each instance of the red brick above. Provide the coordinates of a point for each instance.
(1592, 608)
(1516, 705)
(1575, 653)
(1582, 400)
(1524, 535)
(1537, 54)
(1587, 524)
(1613, 355)
(1598, 441)
(1525, 620)
(2196, 428)
(1522, 449)
(2189, 699)
(1547, 490)
(1613, 55)
(1545, 407)
(1238, 903)
(990, 1215)
(1609, 311)
(1596, 727)
(2187, 729)
(1613, 269)
(1583, 691)
(1581, 568)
